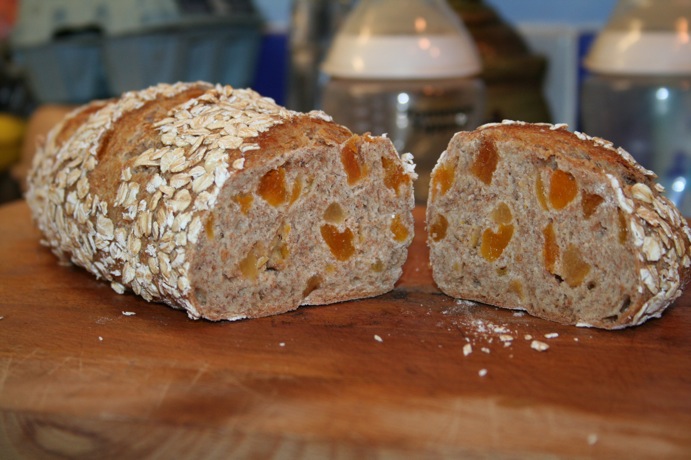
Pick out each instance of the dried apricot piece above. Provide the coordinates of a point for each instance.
(350, 158)
(562, 189)
(334, 214)
(485, 162)
(494, 243)
(540, 192)
(574, 268)
(442, 178)
(550, 252)
(590, 202)
(437, 229)
(273, 188)
(244, 200)
(398, 228)
(516, 287)
(340, 243)
(394, 175)
(255, 258)
(502, 214)
(209, 226)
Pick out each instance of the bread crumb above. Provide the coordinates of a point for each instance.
(552, 335)
(282, 344)
(575, 339)
(2, 317)
(482, 372)
(128, 313)
(506, 338)
(592, 439)
(239, 163)
(100, 339)
(528, 337)
(485, 350)
(377, 338)
(467, 349)
(539, 346)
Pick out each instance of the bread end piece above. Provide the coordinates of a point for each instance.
(562, 225)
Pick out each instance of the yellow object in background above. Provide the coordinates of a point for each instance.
(11, 134)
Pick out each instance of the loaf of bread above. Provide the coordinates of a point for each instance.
(559, 224)
(222, 203)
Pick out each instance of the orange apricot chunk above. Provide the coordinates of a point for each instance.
(502, 214)
(485, 162)
(574, 268)
(494, 243)
(340, 243)
(334, 214)
(394, 175)
(540, 192)
(350, 158)
(442, 178)
(562, 189)
(398, 228)
(437, 229)
(244, 200)
(550, 251)
(273, 188)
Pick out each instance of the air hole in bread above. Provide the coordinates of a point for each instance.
(590, 202)
(625, 304)
(313, 283)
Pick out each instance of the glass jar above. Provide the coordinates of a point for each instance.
(408, 70)
(639, 93)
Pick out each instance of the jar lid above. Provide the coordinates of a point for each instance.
(402, 40)
(644, 38)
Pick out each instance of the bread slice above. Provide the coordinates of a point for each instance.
(220, 202)
(562, 225)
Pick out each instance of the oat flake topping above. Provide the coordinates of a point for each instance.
(162, 193)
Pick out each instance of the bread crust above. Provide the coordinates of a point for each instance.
(611, 251)
(134, 190)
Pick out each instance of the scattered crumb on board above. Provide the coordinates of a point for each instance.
(377, 338)
(128, 313)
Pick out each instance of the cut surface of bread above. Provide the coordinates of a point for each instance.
(562, 225)
(217, 201)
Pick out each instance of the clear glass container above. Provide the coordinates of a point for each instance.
(639, 93)
(405, 69)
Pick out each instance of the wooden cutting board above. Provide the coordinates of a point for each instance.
(81, 377)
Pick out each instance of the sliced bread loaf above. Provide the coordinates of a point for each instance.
(220, 202)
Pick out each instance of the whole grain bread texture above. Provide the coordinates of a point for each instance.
(220, 202)
(559, 224)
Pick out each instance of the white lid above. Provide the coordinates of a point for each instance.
(644, 38)
(402, 40)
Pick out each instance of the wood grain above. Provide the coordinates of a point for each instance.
(377, 378)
